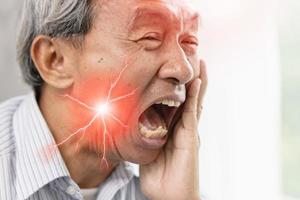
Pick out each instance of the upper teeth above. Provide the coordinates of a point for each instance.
(170, 103)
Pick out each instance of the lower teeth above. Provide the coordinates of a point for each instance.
(157, 133)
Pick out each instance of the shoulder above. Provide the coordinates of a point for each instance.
(7, 147)
(7, 110)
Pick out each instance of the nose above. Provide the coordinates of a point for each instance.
(176, 68)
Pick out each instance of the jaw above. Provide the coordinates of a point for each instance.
(133, 148)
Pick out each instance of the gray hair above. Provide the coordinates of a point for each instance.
(69, 19)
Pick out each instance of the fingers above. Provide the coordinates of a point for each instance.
(189, 114)
(204, 82)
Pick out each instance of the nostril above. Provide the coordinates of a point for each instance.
(175, 81)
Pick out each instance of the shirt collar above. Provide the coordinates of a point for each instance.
(38, 162)
(121, 176)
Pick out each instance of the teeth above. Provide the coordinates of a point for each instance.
(157, 133)
(170, 103)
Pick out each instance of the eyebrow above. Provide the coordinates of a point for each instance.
(148, 15)
(194, 19)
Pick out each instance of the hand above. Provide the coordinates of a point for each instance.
(174, 175)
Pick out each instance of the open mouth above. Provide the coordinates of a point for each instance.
(155, 121)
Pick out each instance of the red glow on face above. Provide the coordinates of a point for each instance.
(100, 110)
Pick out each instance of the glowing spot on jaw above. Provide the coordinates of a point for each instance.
(102, 112)
(103, 109)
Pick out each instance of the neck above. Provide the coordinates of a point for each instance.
(85, 163)
(86, 168)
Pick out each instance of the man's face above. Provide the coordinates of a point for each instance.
(152, 44)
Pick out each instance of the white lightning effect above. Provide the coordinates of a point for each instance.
(101, 111)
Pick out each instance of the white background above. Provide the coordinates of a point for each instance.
(240, 127)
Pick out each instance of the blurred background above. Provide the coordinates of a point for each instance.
(251, 124)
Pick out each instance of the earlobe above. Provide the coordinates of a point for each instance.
(50, 62)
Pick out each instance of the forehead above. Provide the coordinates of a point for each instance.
(122, 16)
(176, 12)
(134, 8)
(175, 8)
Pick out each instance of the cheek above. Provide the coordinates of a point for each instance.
(111, 90)
(121, 82)
(142, 68)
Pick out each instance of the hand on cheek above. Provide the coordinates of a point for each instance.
(175, 173)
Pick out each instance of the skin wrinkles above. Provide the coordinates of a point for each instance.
(163, 15)
(154, 22)
(145, 16)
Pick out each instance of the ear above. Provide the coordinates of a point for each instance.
(50, 62)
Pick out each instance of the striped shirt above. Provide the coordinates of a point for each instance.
(26, 174)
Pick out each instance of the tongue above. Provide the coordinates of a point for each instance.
(151, 119)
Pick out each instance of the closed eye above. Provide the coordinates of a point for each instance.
(151, 36)
(190, 42)
(190, 45)
(151, 41)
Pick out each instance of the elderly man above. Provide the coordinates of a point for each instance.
(113, 82)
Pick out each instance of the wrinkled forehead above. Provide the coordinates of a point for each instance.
(179, 8)
(173, 11)
(183, 8)
(121, 13)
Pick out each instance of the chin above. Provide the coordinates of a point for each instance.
(132, 147)
(142, 157)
